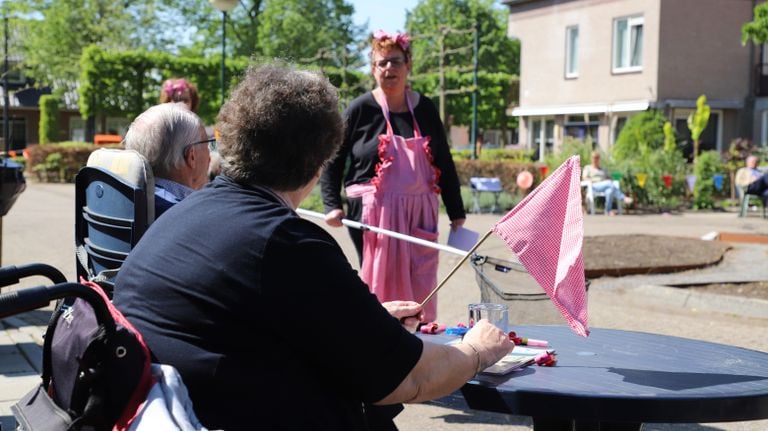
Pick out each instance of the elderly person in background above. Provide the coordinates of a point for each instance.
(259, 309)
(748, 174)
(172, 138)
(601, 183)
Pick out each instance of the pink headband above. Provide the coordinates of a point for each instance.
(175, 87)
(401, 39)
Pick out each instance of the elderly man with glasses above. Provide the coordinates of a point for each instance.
(173, 140)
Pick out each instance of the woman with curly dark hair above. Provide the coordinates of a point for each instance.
(229, 284)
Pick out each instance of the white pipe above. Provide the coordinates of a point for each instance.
(393, 234)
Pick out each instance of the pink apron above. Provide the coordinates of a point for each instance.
(402, 197)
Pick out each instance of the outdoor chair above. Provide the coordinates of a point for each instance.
(745, 199)
(114, 206)
(483, 184)
(590, 196)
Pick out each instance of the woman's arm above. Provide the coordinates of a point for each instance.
(442, 369)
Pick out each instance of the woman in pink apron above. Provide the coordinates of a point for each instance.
(398, 162)
(394, 161)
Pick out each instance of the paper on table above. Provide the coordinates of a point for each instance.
(518, 358)
(463, 238)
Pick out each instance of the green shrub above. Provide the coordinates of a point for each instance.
(506, 171)
(69, 158)
(643, 134)
(571, 146)
(707, 165)
(49, 114)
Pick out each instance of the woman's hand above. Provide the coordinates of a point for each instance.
(333, 217)
(490, 342)
(407, 312)
(456, 224)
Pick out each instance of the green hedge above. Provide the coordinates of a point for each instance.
(49, 119)
(127, 83)
(59, 162)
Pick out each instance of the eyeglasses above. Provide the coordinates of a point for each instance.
(211, 145)
(394, 62)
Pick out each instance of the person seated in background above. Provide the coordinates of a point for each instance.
(752, 180)
(172, 138)
(601, 183)
(748, 174)
(259, 309)
(180, 90)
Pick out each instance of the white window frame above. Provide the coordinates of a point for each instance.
(542, 120)
(622, 52)
(572, 51)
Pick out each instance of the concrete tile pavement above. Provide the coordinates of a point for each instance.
(39, 229)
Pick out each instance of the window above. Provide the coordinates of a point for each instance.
(710, 138)
(541, 130)
(582, 127)
(572, 52)
(628, 44)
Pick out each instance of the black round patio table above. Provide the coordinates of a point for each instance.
(617, 380)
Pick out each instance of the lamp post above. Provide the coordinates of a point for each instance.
(224, 6)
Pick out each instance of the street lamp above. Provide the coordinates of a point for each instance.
(224, 6)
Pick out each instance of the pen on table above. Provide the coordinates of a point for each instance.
(524, 341)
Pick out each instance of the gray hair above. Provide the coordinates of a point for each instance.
(160, 134)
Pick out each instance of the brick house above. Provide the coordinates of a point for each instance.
(586, 66)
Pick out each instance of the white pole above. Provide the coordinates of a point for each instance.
(393, 234)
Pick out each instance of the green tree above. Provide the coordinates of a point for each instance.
(53, 45)
(697, 122)
(757, 29)
(450, 24)
(312, 31)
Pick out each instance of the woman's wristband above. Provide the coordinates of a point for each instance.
(477, 354)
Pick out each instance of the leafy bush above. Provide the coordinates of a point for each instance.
(494, 154)
(506, 171)
(643, 134)
(571, 146)
(707, 165)
(49, 114)
(59, 162)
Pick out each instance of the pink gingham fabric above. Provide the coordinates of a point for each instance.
(546, 231)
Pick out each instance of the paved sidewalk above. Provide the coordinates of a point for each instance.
(40, 229)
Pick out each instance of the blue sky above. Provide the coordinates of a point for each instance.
(385, 14)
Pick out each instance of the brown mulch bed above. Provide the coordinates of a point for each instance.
(757, 289)
(617, 255)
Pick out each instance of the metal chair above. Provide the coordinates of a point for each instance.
(114, 206)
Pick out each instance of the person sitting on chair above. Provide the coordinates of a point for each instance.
(602, 184)
(754, 181)
(173, 139)
(748, 174)
(259, 309)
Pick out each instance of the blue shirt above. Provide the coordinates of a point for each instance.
(168, 193)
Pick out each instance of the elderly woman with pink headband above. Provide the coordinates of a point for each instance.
(398, 162)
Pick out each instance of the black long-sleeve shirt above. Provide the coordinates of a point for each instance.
(364, 123)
